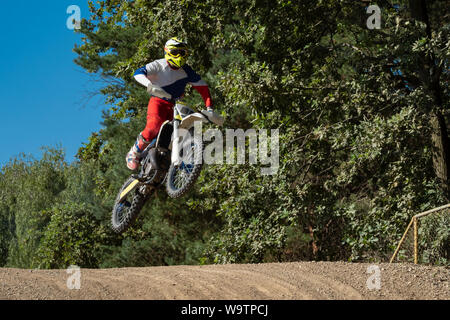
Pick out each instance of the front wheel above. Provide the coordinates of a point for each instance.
(181, 178)
(125, 211)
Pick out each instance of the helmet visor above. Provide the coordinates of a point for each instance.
(178, 52)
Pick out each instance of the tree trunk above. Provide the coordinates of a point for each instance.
(430, 76)
(441, 151)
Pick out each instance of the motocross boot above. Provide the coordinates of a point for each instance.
(133, 156)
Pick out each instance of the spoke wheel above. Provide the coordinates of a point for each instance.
(126, 211)
(181, 178)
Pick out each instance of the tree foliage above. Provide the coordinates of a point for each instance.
(364, 144)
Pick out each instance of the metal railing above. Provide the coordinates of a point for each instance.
(414, 223)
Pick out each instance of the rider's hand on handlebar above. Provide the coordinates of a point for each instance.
(149, 88)
(157, 91)
(212, 116)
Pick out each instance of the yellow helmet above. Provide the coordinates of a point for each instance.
(176, 52)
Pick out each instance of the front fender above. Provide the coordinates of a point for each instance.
(188, 122)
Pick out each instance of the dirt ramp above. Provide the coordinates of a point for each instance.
(279, 281)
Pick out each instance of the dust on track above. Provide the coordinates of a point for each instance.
(271, 281)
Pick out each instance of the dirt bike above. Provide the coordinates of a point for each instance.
(173, 159)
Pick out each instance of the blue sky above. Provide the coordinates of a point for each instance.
(44, 94)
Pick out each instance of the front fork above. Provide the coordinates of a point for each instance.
(176, 160)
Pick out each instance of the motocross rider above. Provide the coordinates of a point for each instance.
(171, 74)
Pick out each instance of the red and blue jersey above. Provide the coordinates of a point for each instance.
(173, 81)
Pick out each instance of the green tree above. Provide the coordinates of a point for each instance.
(28, 187)
(363, 119)
(353, 106)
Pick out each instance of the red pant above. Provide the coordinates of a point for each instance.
(158, 111)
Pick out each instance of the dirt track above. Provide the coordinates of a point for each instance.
(280, 281)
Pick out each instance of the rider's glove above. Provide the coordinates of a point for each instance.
(157, 91)
(212, 116)
(149, 88)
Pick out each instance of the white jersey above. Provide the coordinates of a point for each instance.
(173, 81)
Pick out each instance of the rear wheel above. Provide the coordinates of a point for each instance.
(126, 211)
